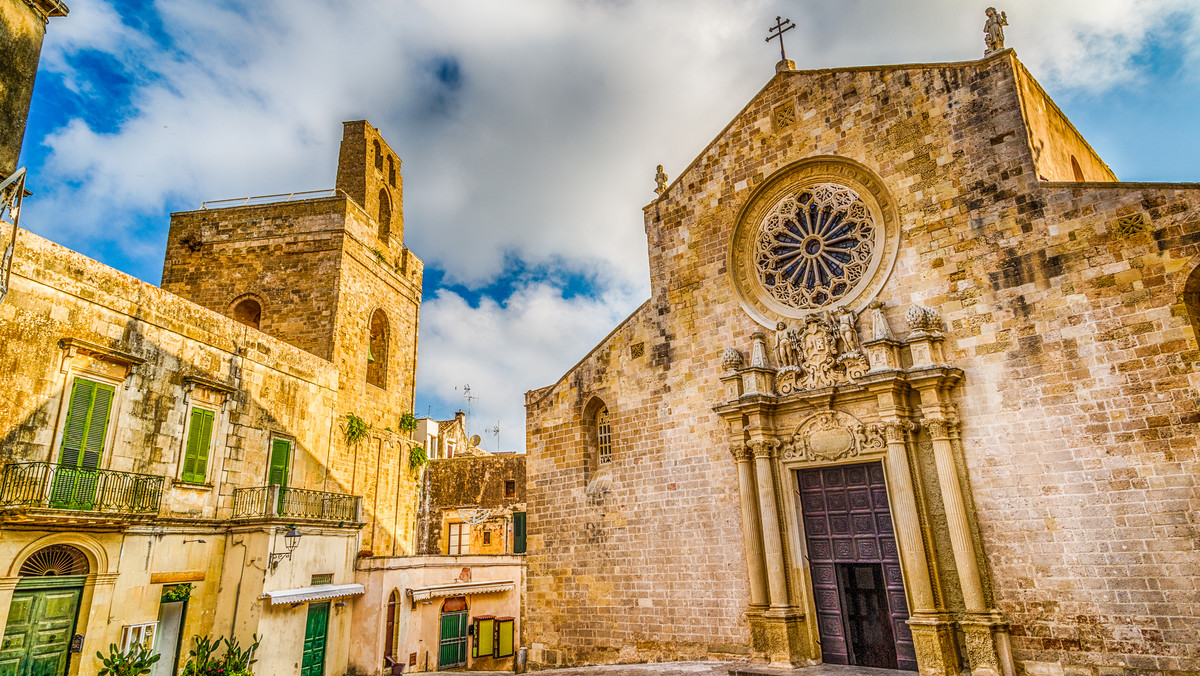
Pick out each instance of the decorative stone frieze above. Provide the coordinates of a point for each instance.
(825, 352)
(832, 435)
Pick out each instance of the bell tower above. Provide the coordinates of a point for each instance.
(369, 173)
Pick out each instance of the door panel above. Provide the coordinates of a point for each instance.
(315, 633)
(38, 633)
(167, 639)
(847, 521)
(453, 640)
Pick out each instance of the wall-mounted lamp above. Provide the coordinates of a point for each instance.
(291, 540)
(196, 540)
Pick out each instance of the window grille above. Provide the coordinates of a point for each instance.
(604, 436)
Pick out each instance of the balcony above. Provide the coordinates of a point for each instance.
(38, 489)
(275, 502)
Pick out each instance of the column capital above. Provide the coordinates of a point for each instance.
(741, 452)
(894, 430)
(764, 448)
(939, 428)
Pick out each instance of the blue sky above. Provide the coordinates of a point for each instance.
(528, 131)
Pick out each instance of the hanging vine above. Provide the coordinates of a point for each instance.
(356, 430)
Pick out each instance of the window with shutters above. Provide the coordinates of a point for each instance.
(281, 456)
(86, 427)
(518, 532)
(458, 539)
(196, 448)
(504, 637)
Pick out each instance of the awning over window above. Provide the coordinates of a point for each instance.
(316, 593)
(460, 589)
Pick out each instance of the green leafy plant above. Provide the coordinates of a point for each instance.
(380, 255)
(203, 660)
(417, 458)
(137, 660)
(176, 592)
(408, 422)
(357, 429)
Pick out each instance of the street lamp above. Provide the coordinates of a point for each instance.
(291, 540)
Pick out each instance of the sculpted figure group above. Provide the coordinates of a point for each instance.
(826, 350)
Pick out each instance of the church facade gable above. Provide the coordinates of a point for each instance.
(869, 292)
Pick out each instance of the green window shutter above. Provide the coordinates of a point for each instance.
(504, 638)
(281, 449)
(518, 532)
(195, 459)
(87, 424)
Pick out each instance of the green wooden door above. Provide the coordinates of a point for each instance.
(315, 631)
(38, 633)
(518, 532)
(83, 436)
(453, 644)
(277, 471)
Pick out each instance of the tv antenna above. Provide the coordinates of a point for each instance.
(495, 431)
(466, 390)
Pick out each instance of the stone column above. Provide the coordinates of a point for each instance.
(956, 516)
(750, 526)
(908, 523)
(764, 451)
(933, 633)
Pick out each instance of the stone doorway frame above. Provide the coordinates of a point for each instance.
(876, 416)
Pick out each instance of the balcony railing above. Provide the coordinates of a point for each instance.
(299, 503)
(47, 485)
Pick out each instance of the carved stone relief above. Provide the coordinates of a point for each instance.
(832, 435)
(826, 351)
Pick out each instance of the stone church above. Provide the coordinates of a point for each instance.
(915, 388)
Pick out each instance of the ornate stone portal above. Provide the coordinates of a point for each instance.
(821, 396)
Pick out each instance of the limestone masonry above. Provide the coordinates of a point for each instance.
(915, 387)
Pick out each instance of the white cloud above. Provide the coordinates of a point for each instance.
(503, 350)
(546, 149)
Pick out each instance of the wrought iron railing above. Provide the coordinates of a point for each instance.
(276, 501)
(51, 486)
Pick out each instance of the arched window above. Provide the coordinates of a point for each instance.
(391, 171)
(378, 156)
(603, 437)
(248, 312)
(1191, 300)
(389, 640)
(385, 214)
(55, 560)
(1078, 171)
(377, 350)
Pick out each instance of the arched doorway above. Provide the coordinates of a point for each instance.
(44, 610)
(452, 639)
(389, 640)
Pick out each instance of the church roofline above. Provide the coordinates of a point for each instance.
(545, 391)
(1005, 53)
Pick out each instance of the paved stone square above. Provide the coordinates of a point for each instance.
(710, 669)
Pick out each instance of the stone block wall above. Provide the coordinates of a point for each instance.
(470, 482)
(1077, 405)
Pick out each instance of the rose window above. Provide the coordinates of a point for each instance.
(814, 246)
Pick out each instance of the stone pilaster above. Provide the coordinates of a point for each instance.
(8, 585)
(751, 529)
(764, 452)
(934, 640)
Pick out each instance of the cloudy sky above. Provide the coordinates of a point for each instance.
(529, 131)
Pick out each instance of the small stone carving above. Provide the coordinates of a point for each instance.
(758, 352)
(832, 435)
(785, 346)
(924, 320)
(879, 324)
(993, 31)
(848, 331)
(732, 359)
(661, 180)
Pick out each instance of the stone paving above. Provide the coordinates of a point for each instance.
(708, 669)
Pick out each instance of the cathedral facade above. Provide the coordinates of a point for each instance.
(914, 388)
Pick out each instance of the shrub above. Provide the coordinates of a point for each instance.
(135, 661)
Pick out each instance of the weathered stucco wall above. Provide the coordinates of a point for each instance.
(471, 482)
(1077, 405)
(22, 27)
(417, 627)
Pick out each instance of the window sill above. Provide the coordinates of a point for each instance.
(192, 485)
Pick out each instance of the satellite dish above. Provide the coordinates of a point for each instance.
(476, 439)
